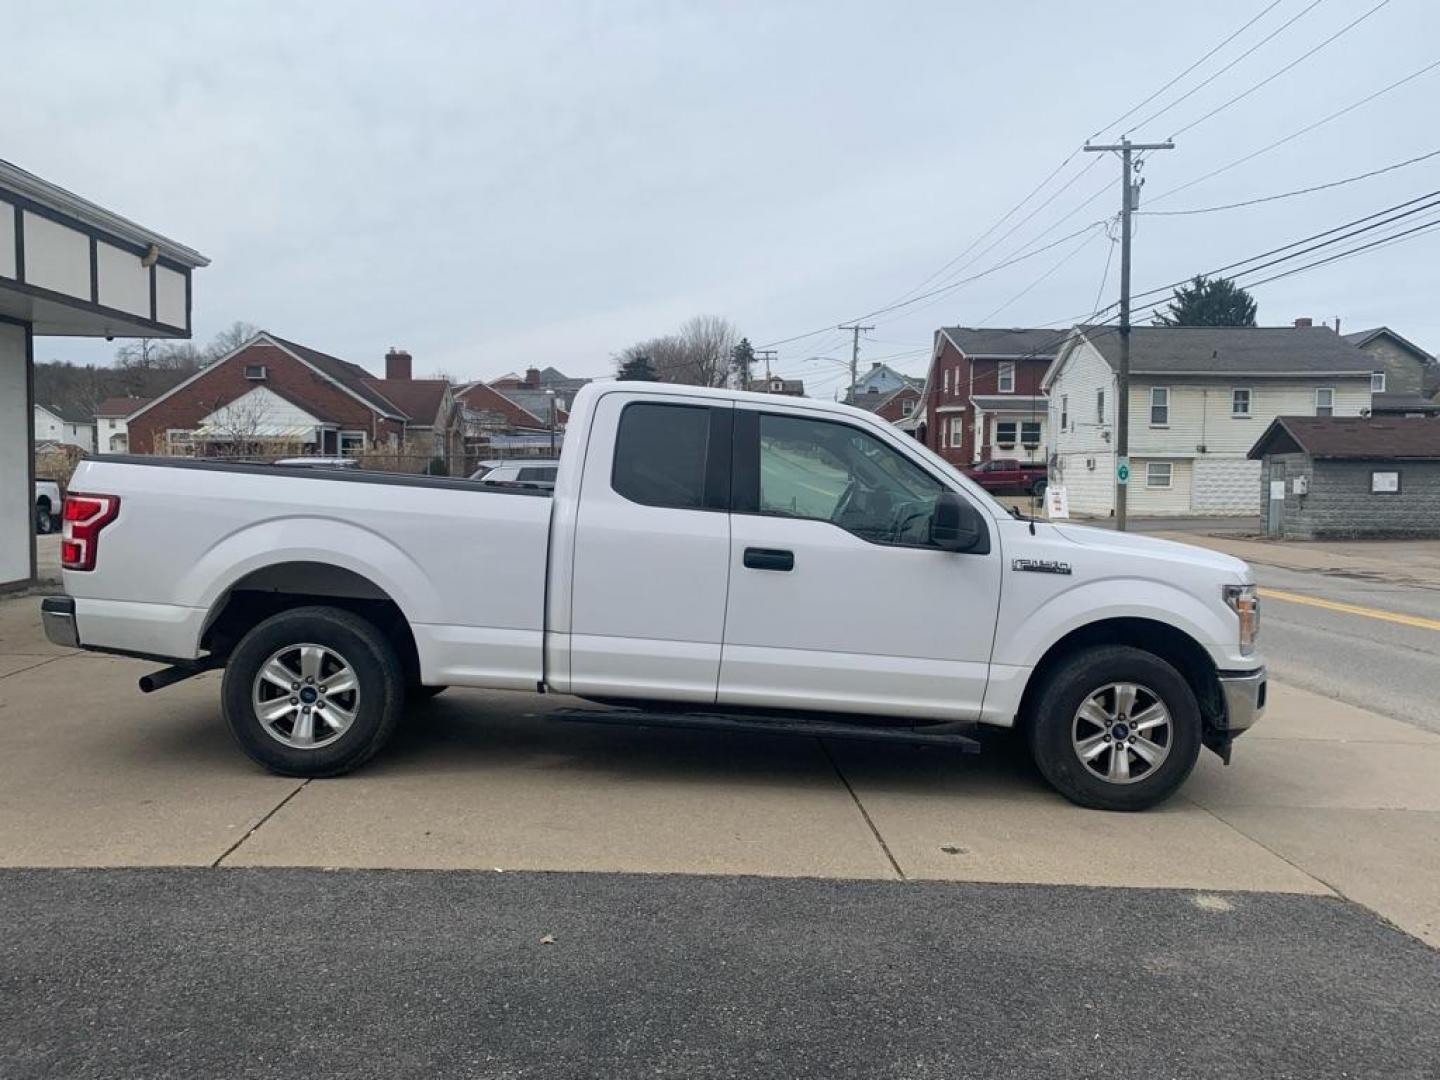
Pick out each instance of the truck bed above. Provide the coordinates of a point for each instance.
(464, 563)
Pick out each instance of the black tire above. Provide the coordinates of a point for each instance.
(44, 520)
(1038, 487)
(418, 692)
(1051, 728)
(381, 690)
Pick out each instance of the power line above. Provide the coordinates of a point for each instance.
(1084, 243)
(1302, 131)
(1206, 82)
(1105, 275)
(1136, 108)
(1290, 194)
(1275, 75)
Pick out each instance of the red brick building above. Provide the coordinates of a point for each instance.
(271, 393)
(982, 396)
(898, 406)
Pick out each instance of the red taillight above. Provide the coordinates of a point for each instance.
(85, 516)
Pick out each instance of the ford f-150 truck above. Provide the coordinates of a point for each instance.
(707, 557)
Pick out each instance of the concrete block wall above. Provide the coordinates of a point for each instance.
(1340, 504)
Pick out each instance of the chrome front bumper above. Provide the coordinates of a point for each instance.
(1244, 693)
(57, 615)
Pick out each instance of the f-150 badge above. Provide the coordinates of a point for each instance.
(1040, 566)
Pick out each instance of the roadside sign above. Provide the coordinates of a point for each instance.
(1057, 502)
(1122, 471)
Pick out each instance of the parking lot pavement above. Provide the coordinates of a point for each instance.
(280, 973)
(1321, 797)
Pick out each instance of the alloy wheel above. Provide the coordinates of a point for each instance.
(306, 696)
(1122, 732)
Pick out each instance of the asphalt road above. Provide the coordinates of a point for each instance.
(279, 973)
(1375, 663)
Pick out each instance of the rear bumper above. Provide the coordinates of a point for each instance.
(57, 615)
(1244, 693)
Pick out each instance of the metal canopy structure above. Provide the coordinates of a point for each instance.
(68, 268)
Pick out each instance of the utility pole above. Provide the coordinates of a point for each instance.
(1129, 198)
(854, 328)
(768, 354)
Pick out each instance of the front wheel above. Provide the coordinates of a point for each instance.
(314, 691)
(1115, 728)
(44, 523)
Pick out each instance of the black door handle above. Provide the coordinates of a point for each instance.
(769, 559)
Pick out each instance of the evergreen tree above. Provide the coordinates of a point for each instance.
(1209, 302)
(637, 368)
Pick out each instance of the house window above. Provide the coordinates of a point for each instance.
(1377, 382)
(1325, 401)
(1005, 433)
(947, 382)
(1240, 402)
(1064, 412)
(1006, 382)
(352, 442)
(957, 431)
(1030, 433)
(1160, 407)
(907, 407)
(1099, 406)
(1158, 474)
(256, 372)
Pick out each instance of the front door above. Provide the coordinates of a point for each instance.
(652, 546)
(838, 600)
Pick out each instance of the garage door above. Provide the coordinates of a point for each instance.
(1226, 486)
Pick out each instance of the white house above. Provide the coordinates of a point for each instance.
(112, 423)
(1199, 399)
(54, 423)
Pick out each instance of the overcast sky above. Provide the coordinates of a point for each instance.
(495, 186)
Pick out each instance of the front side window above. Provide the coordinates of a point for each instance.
(1240, 402)
(1325, 401)
(1006, 381)
(1159, 406)
(1377, 382)
(1030, 432)
(828, 471)
(661, 455)
(1005, 432)
(1158, 474)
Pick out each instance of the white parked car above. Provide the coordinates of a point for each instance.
(47, 506)
(708, 557)
(528, 472)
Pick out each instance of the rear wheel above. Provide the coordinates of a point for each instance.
(1038, 487)
(418, 692)
(314, 691)
(44, 523)
(1115, 728)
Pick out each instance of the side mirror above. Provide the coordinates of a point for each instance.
(958, 526)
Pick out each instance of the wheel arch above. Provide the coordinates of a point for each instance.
(280, 586)
(1158, 638)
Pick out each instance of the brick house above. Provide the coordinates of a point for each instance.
(983, 396)
(1405, 378)
(270, 394)
(897, 406)
(774, 384)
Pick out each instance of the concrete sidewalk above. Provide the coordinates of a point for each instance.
(1403, 562)
(1322, 797)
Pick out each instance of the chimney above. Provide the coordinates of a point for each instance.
(1304, 323)
(532, 378)
(397, 364)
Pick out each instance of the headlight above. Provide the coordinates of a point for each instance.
(1244, 600)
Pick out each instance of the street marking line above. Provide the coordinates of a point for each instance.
(1352, 609)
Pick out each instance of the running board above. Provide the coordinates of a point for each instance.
(786, 726)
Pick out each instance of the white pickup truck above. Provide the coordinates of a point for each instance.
(707, 557)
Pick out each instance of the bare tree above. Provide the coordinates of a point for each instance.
(229, 339)
(698, 355)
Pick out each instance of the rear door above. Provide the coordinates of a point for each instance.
(838, 600)
(652, 549)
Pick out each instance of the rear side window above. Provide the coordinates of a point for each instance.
(667, 455)
(539, 473)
